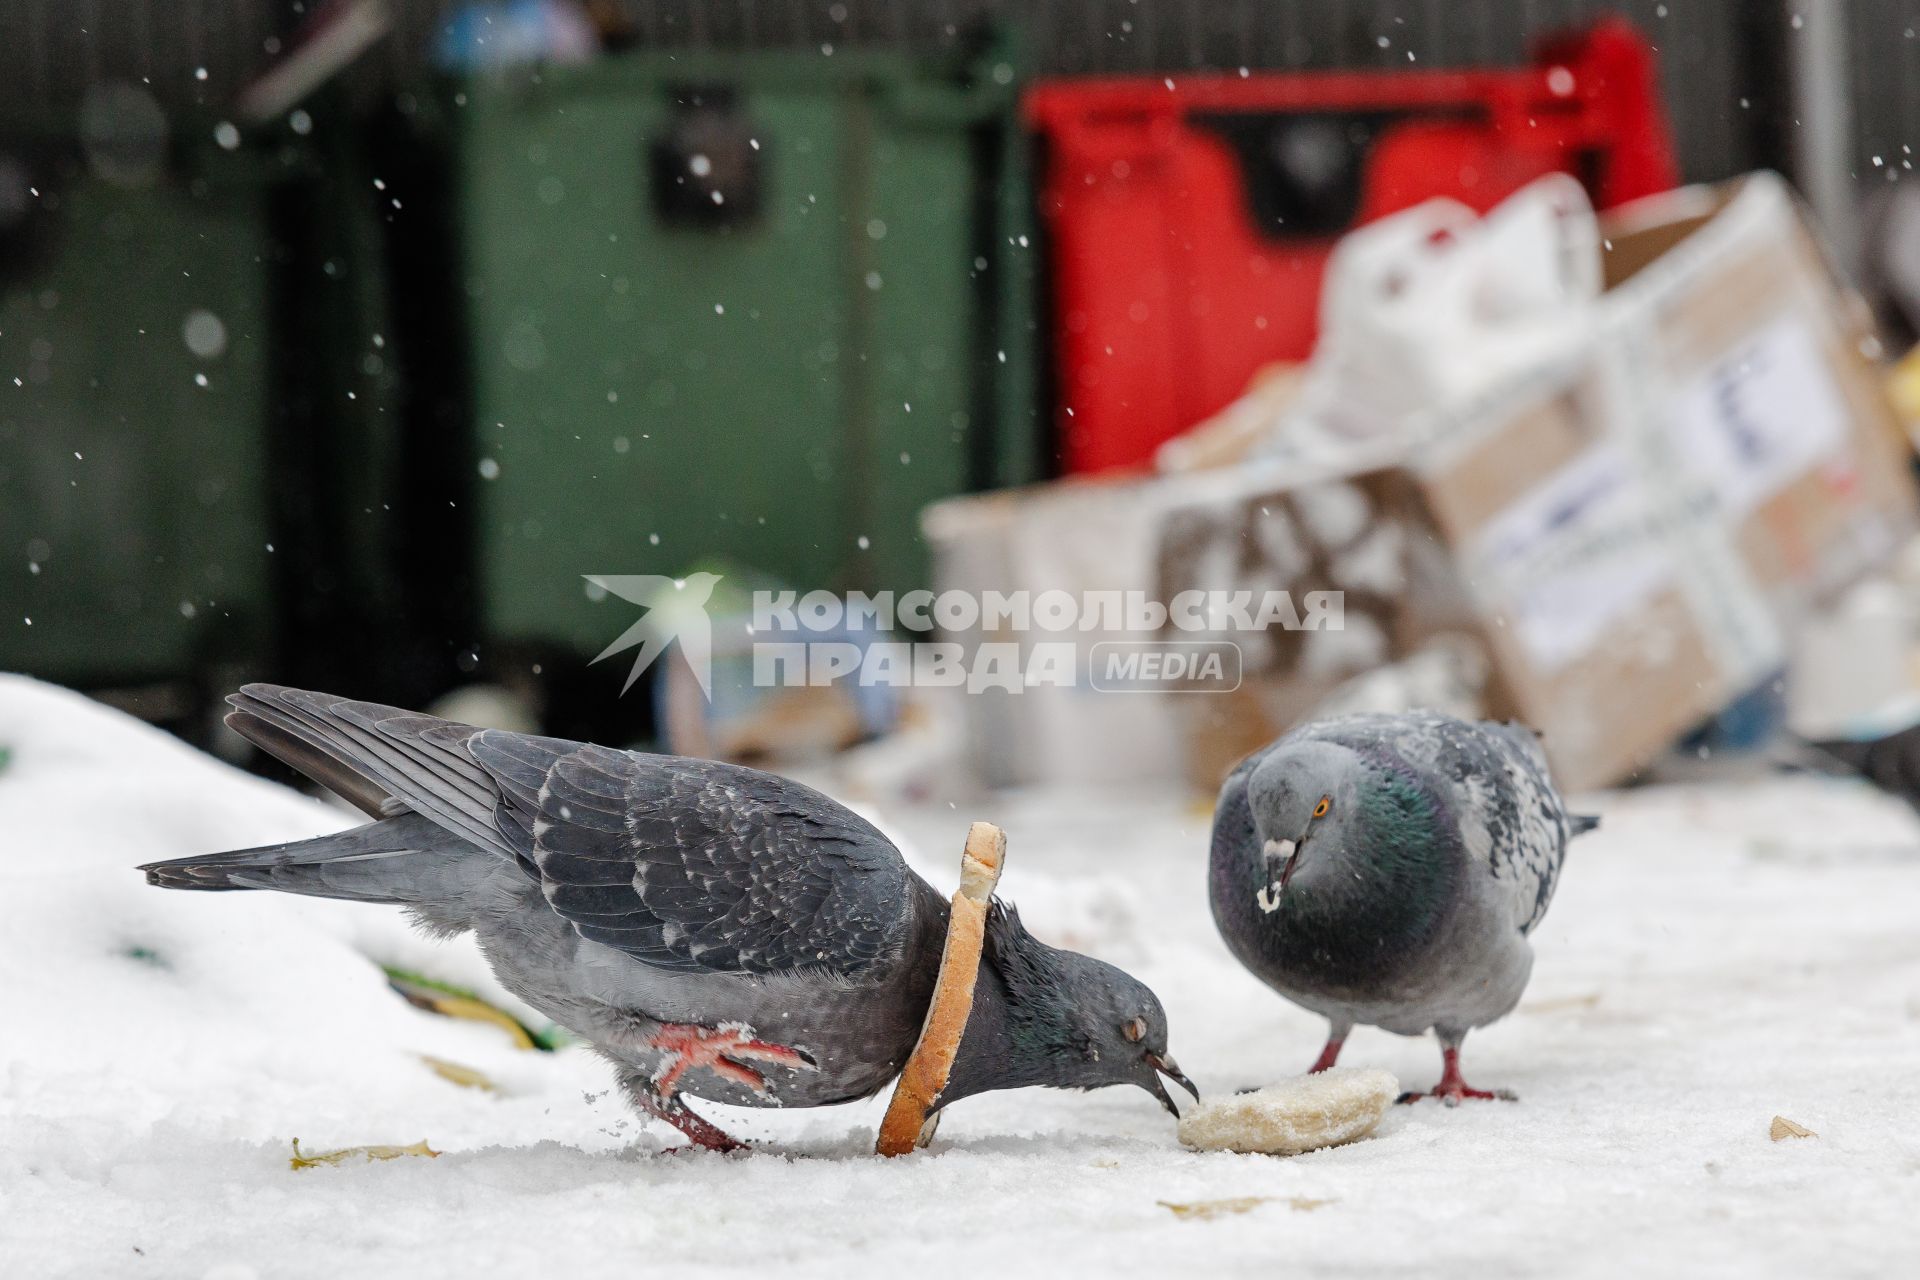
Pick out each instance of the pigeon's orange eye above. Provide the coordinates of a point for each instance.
(1320, 810)
(1134, 1029)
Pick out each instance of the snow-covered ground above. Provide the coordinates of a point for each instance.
(1716, 956)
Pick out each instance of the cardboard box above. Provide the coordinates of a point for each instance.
(1255, 528)
(1267, 527)
(1641, 526)
(1632, 529)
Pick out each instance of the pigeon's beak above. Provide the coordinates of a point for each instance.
(1165, 1066)
(1287, 853)
(1293, 864)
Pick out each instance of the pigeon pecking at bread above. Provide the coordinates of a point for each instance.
(714, 931)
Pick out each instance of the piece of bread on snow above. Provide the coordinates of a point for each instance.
(925, 1075)
(1294, 1116)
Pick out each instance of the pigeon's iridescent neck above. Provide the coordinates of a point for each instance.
(1381, 892)
(1024, 1029)
(1012, 1041)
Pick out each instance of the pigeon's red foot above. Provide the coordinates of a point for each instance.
(1328, 1056)
(724, 1050)
(702, 1132)
(1452, 1089)
(1452, 1093)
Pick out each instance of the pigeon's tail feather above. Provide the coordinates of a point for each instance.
(298, 752)
(407, 860)
(1578, 824)
(1891, 763)
(1855, 755)
(385, 760)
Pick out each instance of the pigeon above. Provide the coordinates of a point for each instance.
(1891, 763)
(714, 931)
(1386, 869)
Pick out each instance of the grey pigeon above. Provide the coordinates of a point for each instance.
(712, 930)
(1386, 870)
(1891, 763)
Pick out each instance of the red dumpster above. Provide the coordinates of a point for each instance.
(1189, 218)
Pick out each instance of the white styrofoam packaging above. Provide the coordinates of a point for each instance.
(1072, 537)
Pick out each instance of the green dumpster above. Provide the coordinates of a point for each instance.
(133, 384)
(755, 308)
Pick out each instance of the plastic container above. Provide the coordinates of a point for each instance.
(1189, 219)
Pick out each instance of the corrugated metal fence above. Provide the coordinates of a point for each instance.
(201, 51)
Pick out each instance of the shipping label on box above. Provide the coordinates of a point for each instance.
(1573, 558)
(1760, 416)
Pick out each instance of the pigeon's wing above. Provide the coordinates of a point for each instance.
(1511, 819)
(1512, 800)
(687, 865)
(697, 866)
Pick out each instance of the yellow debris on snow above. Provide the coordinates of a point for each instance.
(472, 1010)
(464, 1076)
(1207, 1209)
(1785, 1128)
(303, 1161)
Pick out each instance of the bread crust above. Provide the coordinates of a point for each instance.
(906, 1124)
